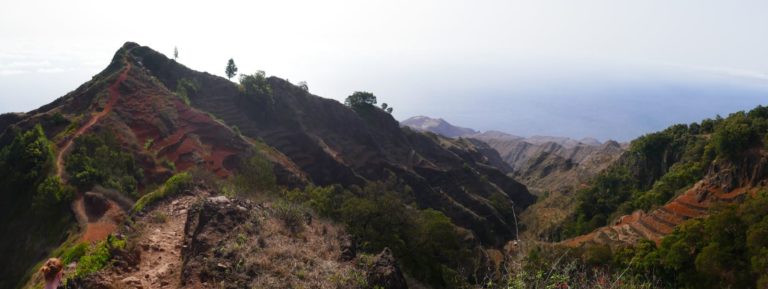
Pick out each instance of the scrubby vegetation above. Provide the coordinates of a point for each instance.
(186, 89)
(172, 187)
(97, 159)
(428, 245)
(255, 84)
(360, 99)
(593, 268)
(660, 165)
(94, 257)
(34, 212)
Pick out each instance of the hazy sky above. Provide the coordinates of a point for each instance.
(540, 67)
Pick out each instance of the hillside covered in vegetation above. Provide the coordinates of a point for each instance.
(683, 208)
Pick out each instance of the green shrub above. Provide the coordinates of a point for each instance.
(51, 191)
(734, 135)
(74, 253)
(97, 159)
(27, 160)
(360, 99)
(98, 256)
(255, 85)
(173, 186)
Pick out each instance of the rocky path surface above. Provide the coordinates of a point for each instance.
(160, 240)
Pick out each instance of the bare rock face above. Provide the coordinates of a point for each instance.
(385, 273)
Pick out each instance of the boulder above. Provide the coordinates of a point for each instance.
(384, 273)
(348, 248)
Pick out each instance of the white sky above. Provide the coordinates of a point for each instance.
(407, 52)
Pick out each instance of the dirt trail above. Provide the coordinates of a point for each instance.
(94, 230)
(114, 95)
(160, 242)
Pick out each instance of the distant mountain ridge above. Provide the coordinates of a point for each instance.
(444, 128)
(438, 126)
(550, 166)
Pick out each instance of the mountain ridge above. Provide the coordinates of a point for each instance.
(168, 119)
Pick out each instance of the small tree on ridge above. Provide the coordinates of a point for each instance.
(231, 69)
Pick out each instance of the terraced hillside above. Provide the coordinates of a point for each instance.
(723, 184)
(333, 144)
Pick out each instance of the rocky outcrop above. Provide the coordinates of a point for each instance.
(385, 273)
(207, 230)
(348, 248)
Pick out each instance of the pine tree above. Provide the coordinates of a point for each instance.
(231, 70)
(175, 52)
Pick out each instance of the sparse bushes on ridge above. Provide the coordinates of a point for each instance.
(255, 84)
(360, 99)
